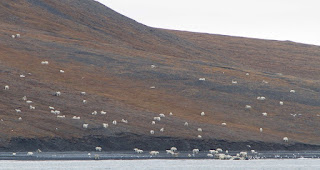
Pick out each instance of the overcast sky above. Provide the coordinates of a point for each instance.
(294, 20)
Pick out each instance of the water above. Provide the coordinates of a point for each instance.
(178, 164)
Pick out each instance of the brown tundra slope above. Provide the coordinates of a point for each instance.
(109, 56)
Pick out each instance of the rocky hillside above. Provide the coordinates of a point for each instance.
(134, 72)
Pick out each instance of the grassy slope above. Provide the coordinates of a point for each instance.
(109, 56)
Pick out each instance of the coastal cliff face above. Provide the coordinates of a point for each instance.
(116, 60)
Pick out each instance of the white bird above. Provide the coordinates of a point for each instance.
(139, 151)
(261, 98)
(124, 121)
(212, 151)
(202, 114)
(44, 62)
(98, 148)
(105, 125)
(294, 115)
(169, 151)
(173, 149)
(195, 151)
(94, 113)
(6, 87)
(61, 71)
(58, 93)
(261, 129)
(154, 152)
(281, 103)
(76, 117)
(219, 150)
(157, 118)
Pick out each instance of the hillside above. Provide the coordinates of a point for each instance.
(109, 56)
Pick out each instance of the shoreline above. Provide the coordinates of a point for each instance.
(130, 155)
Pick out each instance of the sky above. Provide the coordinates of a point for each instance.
(293, 20)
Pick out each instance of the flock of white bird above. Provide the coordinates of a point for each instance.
(153, 122)
(220, 156)
(261, 98)
(212, 153)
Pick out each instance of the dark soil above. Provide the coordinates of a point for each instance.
(126, 142)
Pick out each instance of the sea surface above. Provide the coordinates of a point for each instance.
(179, 164)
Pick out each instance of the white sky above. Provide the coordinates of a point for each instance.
(294, 20)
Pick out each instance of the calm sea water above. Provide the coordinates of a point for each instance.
(271, 164)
